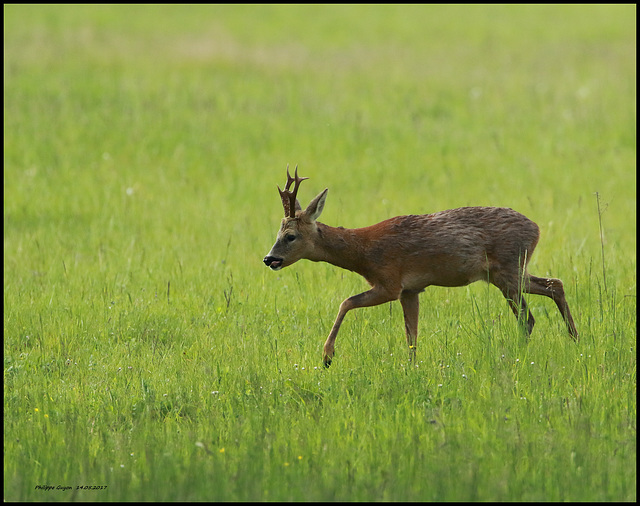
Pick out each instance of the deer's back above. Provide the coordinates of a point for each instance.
(453, 247)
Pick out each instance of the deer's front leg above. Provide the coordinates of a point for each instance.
(374, 297)
(410, 307)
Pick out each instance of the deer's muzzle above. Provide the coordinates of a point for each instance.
(273, 262)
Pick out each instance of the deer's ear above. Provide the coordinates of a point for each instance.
(315, 207)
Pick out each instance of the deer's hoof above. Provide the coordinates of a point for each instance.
(327, 362)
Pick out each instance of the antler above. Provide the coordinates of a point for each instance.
(289, 197)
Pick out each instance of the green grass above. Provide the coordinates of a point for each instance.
(147, 348)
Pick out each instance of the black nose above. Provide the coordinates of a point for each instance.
(274, 262)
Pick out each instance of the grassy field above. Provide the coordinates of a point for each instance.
(150, 355)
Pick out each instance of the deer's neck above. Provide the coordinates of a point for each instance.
(342, 247)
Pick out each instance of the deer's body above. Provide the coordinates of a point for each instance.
(448, 248)
(401, 256)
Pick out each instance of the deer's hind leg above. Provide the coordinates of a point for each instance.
(519, 307)
(511, 289)
(552, 288)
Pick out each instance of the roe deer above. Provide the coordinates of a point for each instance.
(401, 256)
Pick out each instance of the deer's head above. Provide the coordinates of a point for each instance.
(296, 237)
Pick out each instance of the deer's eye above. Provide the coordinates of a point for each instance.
(290, 237)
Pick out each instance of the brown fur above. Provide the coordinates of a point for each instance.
(401, 256)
